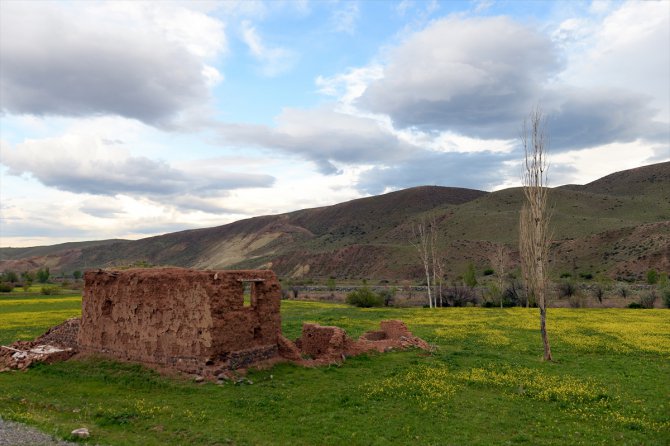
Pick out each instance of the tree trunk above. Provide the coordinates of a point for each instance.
(543, 331)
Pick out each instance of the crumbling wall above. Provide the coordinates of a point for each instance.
(179, 317)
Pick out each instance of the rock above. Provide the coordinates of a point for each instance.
(198, 379)
(82, 432)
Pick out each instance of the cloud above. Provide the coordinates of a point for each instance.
(480, 170)
(146, 61)
(474, 76)
(344, 19)
(84, 164)
(583, 118)
(479, 77)
(627, 49)
(322, 136)
(274, 60)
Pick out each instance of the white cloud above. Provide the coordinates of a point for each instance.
(147, 61)
(344, 19)
(323, 136)
(91, 164)
(274, 60)
(473, 76)
(584, 166)
(628, 49)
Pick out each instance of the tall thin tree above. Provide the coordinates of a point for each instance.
(499, 260)
(422, 243)
(534, 234)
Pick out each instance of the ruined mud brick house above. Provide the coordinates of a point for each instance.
(181, 318)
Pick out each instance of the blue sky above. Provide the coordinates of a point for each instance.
(130, 119)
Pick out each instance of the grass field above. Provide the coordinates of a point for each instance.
(484, 384)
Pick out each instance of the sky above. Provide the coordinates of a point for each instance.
(131, 119)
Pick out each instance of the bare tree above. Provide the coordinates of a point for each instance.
(422, 243)
(425, 242)
(534, 237)
(437, 263)
(500, 260)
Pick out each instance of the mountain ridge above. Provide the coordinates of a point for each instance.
(624, 219)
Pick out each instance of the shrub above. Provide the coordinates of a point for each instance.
(576, 301)
(512, 296)
(634, 305)
(666, 298)
(566, 275)
(652, 277)
(488, 272)
(43, 275)
(470, 277)
(387, 295)
(49, 290)
(9, 276)
(586, 276)
(599, 293)
(566, 289)
(365, 298)
(459, 296)
(623, 291)
(6, 287)
(649, 299)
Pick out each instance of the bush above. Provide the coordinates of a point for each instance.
(652, 277)
(576, 301)
(649, 299)
(470, 277)
(599, 293)
(634, 305)
(666, 298)
(6, 287)
(387, 295)
(623, 291)
(365, 298)
(488, 272)
(566, 289)
(512, 296)
(459, 296)
(586, 276)
(50, 290)
(566, 275)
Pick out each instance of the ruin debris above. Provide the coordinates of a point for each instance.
(205, 323)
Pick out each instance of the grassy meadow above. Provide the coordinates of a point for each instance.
(484, 383)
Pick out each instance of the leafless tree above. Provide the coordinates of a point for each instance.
(437, 263)
(534, 237)
(499, 261)
(425, 234)
(422, 243)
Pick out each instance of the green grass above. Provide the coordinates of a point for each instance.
(484, 384)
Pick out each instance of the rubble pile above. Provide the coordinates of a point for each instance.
(59, 343)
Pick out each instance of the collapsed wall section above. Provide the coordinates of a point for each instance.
(179, 317)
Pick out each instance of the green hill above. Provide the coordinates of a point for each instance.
(618, 225)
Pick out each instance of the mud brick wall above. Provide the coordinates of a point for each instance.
(173, 315)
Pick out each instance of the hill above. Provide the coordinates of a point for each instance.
(618, 225)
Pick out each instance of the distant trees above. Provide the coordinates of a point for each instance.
(534, 238)
(43, 275)
(76, 275)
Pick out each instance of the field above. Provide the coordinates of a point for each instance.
(484, 384)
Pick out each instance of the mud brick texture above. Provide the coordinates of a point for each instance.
(179, 317)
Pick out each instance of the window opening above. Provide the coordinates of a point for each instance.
(248, 293)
